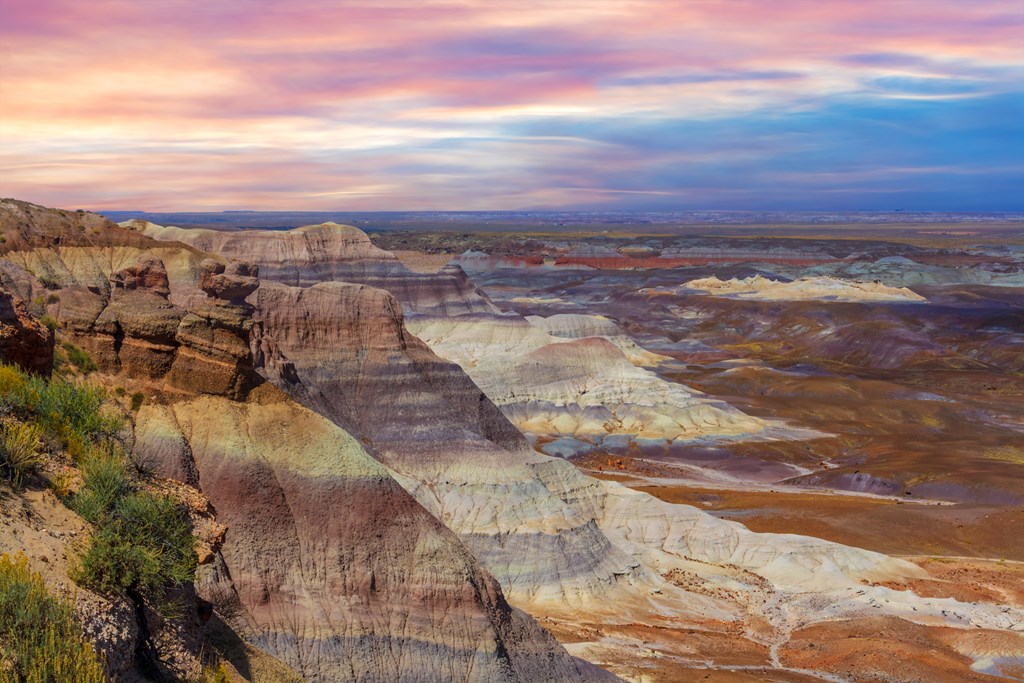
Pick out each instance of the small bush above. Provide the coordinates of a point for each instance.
(104, 483)
(49, 322)
(14, 389)
(76, 409)
(218, 674)
(144, 545)
(62, 408)
(137, 398)
(40, 638)
(77, 357)
(49, 282)
(19, 450)
(113, 566)
(62, 483)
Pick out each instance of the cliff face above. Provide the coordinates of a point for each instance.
(328, 562)
(336, 568)
(343, 349)
(24, 341)
(333, 253)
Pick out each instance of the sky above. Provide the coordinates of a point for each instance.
(204, 105)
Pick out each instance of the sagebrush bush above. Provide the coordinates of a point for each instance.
(144, 545)
(78, 357)
(40, 638)
(104, 483)
(73, 413)
(218, 674)
(19, 450)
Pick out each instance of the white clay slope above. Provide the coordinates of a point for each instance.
(587, 389)
(579, 326)
(804, 289)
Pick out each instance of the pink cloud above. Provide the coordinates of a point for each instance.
(101, 85)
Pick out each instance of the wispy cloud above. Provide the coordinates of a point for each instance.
(470, 104)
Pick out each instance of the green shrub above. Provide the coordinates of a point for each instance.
(73, 409)
(218, 674)
(14, 389)
(19, 450)
(77, 357)
(144, 545)
(65, 410)
(137, 398)
(40, 639)
(104, 483)
(49, 282)
(49, 322)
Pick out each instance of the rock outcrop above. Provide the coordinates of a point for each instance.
(133, 329)
(24, 341)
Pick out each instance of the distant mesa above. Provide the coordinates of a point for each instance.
(805, 289)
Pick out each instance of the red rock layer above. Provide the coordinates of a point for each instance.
(24, 341)
(646, 263)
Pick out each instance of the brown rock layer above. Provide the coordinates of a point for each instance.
(24, 341)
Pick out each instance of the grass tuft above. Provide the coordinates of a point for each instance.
(78, 357)
(66, 410)
(19, 450)
(40, 638)
(104, 483)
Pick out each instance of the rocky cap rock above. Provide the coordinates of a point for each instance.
(148, 273)
(232, 282)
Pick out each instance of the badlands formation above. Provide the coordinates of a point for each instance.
(327, 562)
(367, 435)
(804, 289)
(418, 377)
